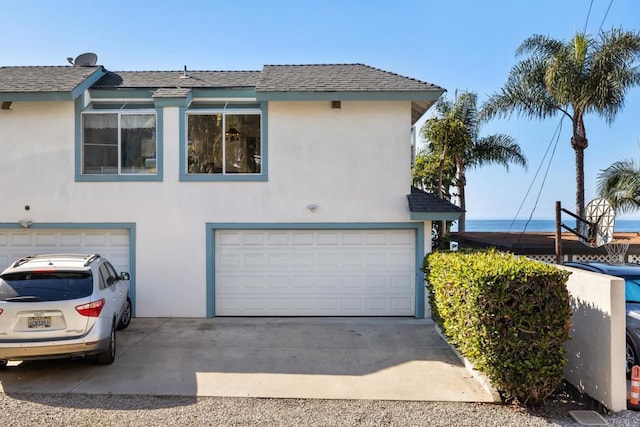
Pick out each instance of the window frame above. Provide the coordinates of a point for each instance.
(126, 108)
(227, 109)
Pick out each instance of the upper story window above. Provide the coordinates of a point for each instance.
(224, 142)
(120, 142)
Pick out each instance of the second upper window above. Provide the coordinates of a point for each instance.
(224, 143)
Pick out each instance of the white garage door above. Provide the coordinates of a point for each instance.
(113, 244)
(315, 272)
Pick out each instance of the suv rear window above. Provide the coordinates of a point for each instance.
(45, 286)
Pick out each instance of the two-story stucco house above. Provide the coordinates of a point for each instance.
(278, 192)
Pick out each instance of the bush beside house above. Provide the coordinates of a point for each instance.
(508, 315)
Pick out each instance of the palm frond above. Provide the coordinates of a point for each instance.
(619, 184)
(497, 149)
(539, 45)
(613, 72)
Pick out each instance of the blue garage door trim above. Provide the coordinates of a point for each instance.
(211, 228)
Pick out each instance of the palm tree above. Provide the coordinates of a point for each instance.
(447, 133)
(582, 76)
(619, 184)
(429, 174)
(454, 134)
(436, 176)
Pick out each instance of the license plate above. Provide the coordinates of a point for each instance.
(40, 322)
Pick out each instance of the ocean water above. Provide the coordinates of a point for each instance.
(519, 225)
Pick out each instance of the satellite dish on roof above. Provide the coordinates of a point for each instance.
(598, 230)
(85, 60)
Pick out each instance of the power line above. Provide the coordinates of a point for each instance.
(605, 16)
(587, 20)
(556, 136)
(546, 174)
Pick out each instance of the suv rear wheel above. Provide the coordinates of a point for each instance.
(126, 315)
(109, 355)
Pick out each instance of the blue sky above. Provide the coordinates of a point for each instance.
(459, 45)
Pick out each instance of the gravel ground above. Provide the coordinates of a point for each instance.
(34, 409)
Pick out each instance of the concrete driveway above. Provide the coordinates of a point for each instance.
(327, 358)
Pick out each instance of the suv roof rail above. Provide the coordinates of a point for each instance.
(22, 260)
(88, 258)
(91, 258)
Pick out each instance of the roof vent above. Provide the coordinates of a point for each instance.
(185, 75)
(84, 60)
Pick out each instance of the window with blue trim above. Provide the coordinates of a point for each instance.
(224, 142)
(119, 142)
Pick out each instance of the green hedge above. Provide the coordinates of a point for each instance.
(510, 316)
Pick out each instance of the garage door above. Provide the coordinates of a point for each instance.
(113, 244)
(315, 272)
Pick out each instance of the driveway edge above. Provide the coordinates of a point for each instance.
(482, 379)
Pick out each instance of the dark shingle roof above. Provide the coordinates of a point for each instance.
(336, 78)
(273, 83)
(176, 79)
(273, 78)
(43, 79)
(172, 92)
(421, 201)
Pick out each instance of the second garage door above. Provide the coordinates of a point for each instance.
(315, 272)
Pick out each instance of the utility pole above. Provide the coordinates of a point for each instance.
(559, 257)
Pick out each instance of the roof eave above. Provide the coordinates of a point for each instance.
(422, 95)
(35, 96)
(434, 216)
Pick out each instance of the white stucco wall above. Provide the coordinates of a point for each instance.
(596, 351)
(352, 162)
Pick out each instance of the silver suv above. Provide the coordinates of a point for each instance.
(62, 305)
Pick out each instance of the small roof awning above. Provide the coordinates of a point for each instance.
(424, 206)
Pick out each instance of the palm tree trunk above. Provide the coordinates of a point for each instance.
(443, 224)
(579, 143)
(580, 182)
(461, 181)
(441, 171)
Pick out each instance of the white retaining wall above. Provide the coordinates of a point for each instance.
(596, 351)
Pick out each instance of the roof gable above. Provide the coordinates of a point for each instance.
(46, 83)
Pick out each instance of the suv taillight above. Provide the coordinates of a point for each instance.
(91, 309)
